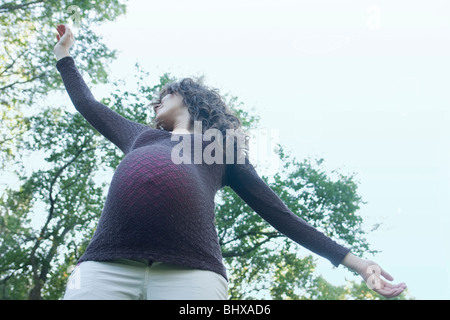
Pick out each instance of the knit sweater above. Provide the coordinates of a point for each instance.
(160, 210)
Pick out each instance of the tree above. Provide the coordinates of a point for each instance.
(28, 29)
(27, 62)
(61, 187)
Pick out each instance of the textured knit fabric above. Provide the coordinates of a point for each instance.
(162, 211)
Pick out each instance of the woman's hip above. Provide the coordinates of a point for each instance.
(128, 279)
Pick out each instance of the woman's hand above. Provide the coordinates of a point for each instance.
(65, 41)
(372, 273)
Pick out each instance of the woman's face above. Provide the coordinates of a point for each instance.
(170, 110)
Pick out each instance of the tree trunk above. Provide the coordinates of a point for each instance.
(35, 293)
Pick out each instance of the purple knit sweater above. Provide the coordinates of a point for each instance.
(162, 211)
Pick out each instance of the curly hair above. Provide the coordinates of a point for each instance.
(205, 104)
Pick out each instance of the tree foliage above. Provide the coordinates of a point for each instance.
(27, 62)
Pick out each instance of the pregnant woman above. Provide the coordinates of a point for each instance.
(156, 237)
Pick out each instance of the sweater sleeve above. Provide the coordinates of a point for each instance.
(113, 126)
(249, 186)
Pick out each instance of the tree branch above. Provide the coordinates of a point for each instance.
(251, 233)
(8, 7)
(234, 253)
(35, 292)
(22, 82)
(8, 67)
(52, 252)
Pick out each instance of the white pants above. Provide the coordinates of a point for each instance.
(124, 279)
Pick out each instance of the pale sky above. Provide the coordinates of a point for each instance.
(363, 84)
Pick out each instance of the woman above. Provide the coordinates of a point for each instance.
(156, 237)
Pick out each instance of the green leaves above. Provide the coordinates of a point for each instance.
(27, 62)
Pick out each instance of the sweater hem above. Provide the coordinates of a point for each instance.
(155, 257)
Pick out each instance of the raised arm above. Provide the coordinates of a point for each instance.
(113, 126)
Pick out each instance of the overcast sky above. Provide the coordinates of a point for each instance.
(363, 84)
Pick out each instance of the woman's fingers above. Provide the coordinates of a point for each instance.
(386, 275)
(394, 292)
(61, 29)
(389, 285)
(390, 294)
(389, 290)
(64, 32)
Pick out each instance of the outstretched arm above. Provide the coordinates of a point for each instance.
(116, 128)
(245, 181)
